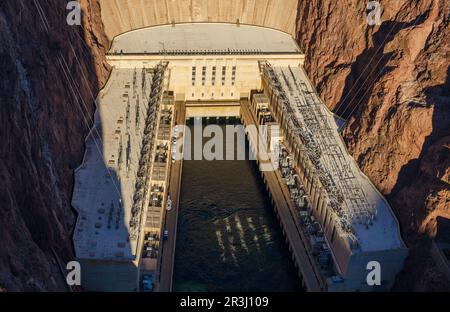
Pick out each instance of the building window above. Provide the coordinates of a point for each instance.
(213, 76)
(194, 72)
(203, 75)
(224, 73)
(233, 76)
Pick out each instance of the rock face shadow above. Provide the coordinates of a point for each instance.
(48, 79)
(422, 183)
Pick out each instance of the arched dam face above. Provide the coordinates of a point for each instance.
(228, 237)
(122, 16)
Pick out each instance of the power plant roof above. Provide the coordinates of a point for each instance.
(363, 210)
(105, 181)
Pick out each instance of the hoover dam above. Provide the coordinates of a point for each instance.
(329, 188)
(334, 220)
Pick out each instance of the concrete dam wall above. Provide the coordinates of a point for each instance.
(120, 16)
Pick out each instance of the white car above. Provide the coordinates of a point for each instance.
(169, 204)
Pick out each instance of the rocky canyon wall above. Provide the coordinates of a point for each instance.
(49, 73)
(392, 83)
(120, 16)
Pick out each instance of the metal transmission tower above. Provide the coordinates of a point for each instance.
(308, 119)
(141, 188)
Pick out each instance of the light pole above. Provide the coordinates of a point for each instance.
(163, 49)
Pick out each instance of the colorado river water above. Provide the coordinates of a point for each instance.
(228, 237)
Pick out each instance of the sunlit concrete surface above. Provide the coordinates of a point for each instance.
(206, 38)
(207, 61)
(212, 109)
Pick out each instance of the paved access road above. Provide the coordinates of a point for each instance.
(171, 217)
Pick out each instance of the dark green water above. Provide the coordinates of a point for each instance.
(228, 237)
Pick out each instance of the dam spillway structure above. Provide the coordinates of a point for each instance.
(334, 220)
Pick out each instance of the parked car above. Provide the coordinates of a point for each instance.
(169, 203)
(147, 283)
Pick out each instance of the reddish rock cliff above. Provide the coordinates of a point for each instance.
(49, 74)
(392, 83)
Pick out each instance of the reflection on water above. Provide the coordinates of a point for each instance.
(228, 237)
